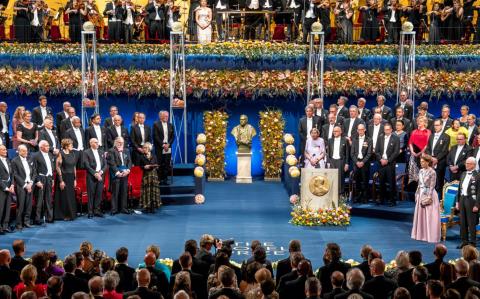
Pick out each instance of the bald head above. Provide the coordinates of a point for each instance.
(440, 251)
(337, 279)
(4, 257)
(461, 267)
(143, 278)
(150, 259)
(377, 267)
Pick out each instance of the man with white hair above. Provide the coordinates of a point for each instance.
(163, 136)
(467, 203)
(96, 165)
(77, 135)
(355, 280)
(116, 130)
(43, 165)
(119, 163)
(24, 178)
(49, 134)
(6, 188)
(5, 123)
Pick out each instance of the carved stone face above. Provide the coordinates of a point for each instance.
(243, 120)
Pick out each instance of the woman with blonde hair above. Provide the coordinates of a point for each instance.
(28, 277)
(16, 120)
(27, 132)
(150, 197)
(402, 264)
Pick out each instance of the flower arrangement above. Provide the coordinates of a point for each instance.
(271, 135)
(167, 262)
(247, 49)
(339, 216)
(238, 83)
(215, 126)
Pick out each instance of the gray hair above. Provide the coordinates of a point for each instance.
(181, 295)
(355, 279)
(24, 146)
(75, 118)
(111, 280)
(117, 116)
(117, 140)
(308, 107)
(402, 259)
(43, 143)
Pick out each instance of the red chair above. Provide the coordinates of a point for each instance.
(135, 183)
(107, 195)
(81, 194)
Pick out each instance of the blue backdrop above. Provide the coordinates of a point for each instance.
(293, 109)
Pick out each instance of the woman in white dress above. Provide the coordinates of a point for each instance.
(203, 17)
(315, 150)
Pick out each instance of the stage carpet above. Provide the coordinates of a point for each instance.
(244, 212)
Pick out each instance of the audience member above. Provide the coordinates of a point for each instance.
(434, 267)
(111, 280)
(228, 280)
(143, 290)
(28, 277)
(379, 286)
(7, 276)
(462, 283)
(355, 280)
(125, 272)
(337, 280)
(285, 266)
(54, 287)
(331, 257)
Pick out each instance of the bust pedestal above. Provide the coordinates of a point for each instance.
(244, 168)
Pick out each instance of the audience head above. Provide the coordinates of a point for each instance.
(377, 267)
(227, 276)
(42, 100)
(122, 255)
(337, 131)
(312, 287)
(295, 259)
(252, 269)
(445, 111)
(54, 286)
(471, 120)
(365, 251)
(402, 260)
(206, 241)
(185, 261)
(27, 116)
(342, 101)
(456, 124)
(355, 279)
(420, 274)
(353, 111)
(106, 264)
(333, 109)
(40, 260)
(96, 119)
(304, 268)
(464, 110)
(434, 288)
(29, 275)
(111, 279)
(262, 274)
(377, 119)
(380, 100)
(361, 129)
(181, 295)
(451, 294)
(80, 295)
(150, 259)
(163, 116)
(76, 122)
(294, 246)
(71, 112)
(3, 151)
(461, 138)
(403, 96)
(48, 123)
(95, 285)
(361, 102)
(18, 114)
(4, 257)
(29, 295)
(461, 268)
(5, 292)
(260, 255)
(182, 282)
(191, 247)
(401, 293)
(399, 112)
(143, 278)
(415, 257)
(471, 163)
(267, 287)
(337, 278)
(374, 254)
(469, 253)
(118, 143)
(447, 273)
(254, 244)
(113, 111)
(309, 111)
(67, 144)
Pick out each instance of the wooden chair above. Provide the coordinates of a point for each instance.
(447, 208)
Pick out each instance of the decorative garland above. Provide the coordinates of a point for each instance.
(271, 133)
(200, 160)
(339, 216)
(215, 125)
(247, 49)
(237, 83)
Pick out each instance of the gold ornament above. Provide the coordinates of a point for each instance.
(407, 27)
(294, 172)
(291, 160)
(319, 185)
(198, 172)
(200, 160)
(290, 149)
(288, 138)
(200, 149)
(201, 138)
(317, 27)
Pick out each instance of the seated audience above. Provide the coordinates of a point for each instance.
(143, 290)
(462, 283)
(355, 280)
(28, 277)
(379, 286)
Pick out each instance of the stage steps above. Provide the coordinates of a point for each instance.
(181, 191)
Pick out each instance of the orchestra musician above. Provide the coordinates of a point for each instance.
(172, 15)
(219, 6)
(415, 13)
(344, 19)
(296, 8)
(21, 21)
(39, 12)
(156, 19)
(370, 13)
(324, 12)
(114, 12)
(311, 14)
(76, 11)
(129, 15)
(392, 17)
(93, 15)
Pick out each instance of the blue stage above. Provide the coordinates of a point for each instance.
(241, 211)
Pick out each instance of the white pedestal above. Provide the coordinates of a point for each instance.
(244, 168)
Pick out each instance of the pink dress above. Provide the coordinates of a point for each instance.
(426, 221)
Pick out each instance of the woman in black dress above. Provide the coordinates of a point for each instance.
(65, 203)
(456, 20)
(434, 34)
(192, 25)
(76, 14)
(27, 132)
(150, 197)
(369, 13)
(21, 21)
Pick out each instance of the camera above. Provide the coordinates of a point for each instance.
(226, 243)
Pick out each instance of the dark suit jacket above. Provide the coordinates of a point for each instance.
(198, 266)
(333, 293)
(281, 286)
(473, 187)
(90, 133)
(472, 136)
(462, 157)
(20, 176)
(198, 284)
(37, 115)
(64, 126)
(370, 133)
(366, 115)
(90, 164)
(118, 11)
(9, 277)
(326, 271)
(441, 147)
(448, 124)
(366, 149)
(407, 109)
(344, 149)
(434, 269)
(7, 120)
(6, 176)
(283, 267)
(380, 287)
(346, 125)
(296, 288)
(136, 136)
(405, 280)
(393, 149)
(408, 124)
(230, 293)
(152, 13)
(205, 257)
(158, 135)
(462, 285)
(43, 135)
(40, 166)
(365, 268)
(59, 118)
(343, 112)
(345, 295)
(323, 114)
(419, 291)
(73, 284)
(127, 278)
(112, 134)
(302, 127)
(70, 133)
(324, 132)
(386, 112)
(18, 263)
(114, 160)
(143, 293)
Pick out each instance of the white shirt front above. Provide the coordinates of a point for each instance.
(267, 4)
(46, 157)
(457, 154)
(385, 145)
(157, 17)
(336, 148)
(393, 18)
(220, 6)
(114, 18)
(319, 112)
(293, 4)
(350, 127)
(78, 134)
(97, 160)
(142, 133)
(26, 167)
(4, 122)
(50, 134)
(376, 131)
(477, 158)
(309, 126)
(98, 132)
(43, 110)
(330, 130)
(466, 182)
(310, 13)
(165, 132)
(435, 140)
(444, 123)
(129, 20)
(254, 4)
(119, 131)
(361, 139)
(35, 21)
(360, 111)
(4, 161)
(121, 157)
(339, 109)
(470, 130)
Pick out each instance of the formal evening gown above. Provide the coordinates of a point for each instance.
(434, 35)
(65, 203)
(315, 148)
(150, 197)
(204, 35)
(426, 220)
(28, 134)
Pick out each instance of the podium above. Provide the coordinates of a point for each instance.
(244, 168)
(319, 188)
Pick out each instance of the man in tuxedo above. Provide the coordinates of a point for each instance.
(405, 105)
(339, 155)
(66, 123)
(296, 288)
(306, 124)
(295, 7)
(18, 262)
(445, 118)
(198, 266)
(62, 114)
(405, 278)
(96, 165)
(40, 112)
(327, 129)
(24, 177)
(116, 130)
(8, 276)
(219, 6)
(363, 112)
(313, 289)
(204, 254)
(355, 281)
(114, 13)
(350, 124)
(385, 111)
(7, 189)
(77, 135)
(311, 15)
(435, 289)
(97, 131)
(437, 148)
(423, 111)
(338, 118)
(467, 203)
(360, 155)
(163, 136)
(457, 156)
(320, 111)
(198, 285)
(332, 258)
(337, 279)
(433, 268)
(379, 286)
(295, 259)
(143, 290)
(420, 277)
(43, 165)
(463, 283)
(72, 283)
(375, 131)
(139, 134)
(109, 120)
(126, 273)
(119, 163)
(387, 151)
(156, 19)
(285, 266)
(5, 123)
(48, 134)
(472, 128)
(342, 110)
(399, 115)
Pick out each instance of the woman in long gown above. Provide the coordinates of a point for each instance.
(369, 13)
(65, 203)
(150, 197)
(192, 25)
(434, 34)
(426, 220)
(16, 120)
(27, 132)
(203, 17)
(315, 150)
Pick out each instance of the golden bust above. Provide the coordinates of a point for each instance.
(244, 134)
(319, 185)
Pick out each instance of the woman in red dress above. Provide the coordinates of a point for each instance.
(419, 139)
(29, 276)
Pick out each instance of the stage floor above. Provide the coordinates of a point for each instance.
(244, 212)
